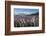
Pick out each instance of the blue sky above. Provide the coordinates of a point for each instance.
(18, 11)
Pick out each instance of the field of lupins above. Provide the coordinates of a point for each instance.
(26, 21)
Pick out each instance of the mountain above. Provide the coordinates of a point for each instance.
(27, 14)
(35, 14)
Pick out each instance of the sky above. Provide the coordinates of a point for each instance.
(18, 11)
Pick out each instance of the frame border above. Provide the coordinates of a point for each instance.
(8, 16)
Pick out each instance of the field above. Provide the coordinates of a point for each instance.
(23, 20)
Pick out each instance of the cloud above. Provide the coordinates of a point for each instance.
(25, 11)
